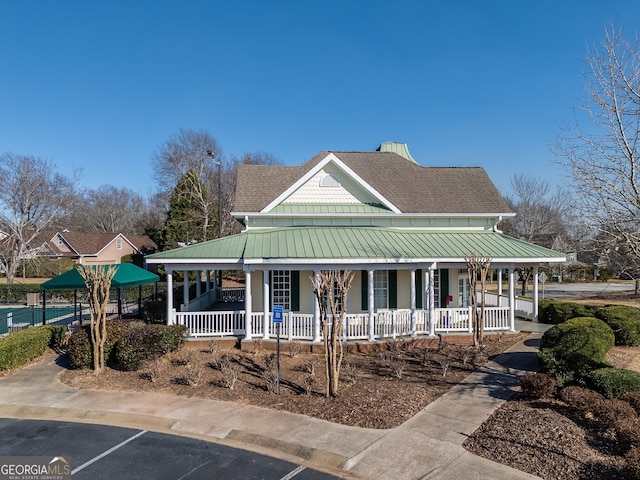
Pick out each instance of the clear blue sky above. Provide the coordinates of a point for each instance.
(104, 84)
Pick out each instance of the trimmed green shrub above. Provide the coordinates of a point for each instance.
(25, 345)
(544, 314)
(624, 321)
(145, 342)
(555, 312)
(80, 349)
(572, 349)
(128, 344)
(58, 336)
(614, 382)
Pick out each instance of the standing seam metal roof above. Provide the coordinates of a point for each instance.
(371, 243)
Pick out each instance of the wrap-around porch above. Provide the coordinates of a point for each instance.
(215, 311)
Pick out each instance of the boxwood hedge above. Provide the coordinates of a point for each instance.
(555, 312)
(624, 321)
(614, 382)
(22, 346)
(572, 349)
(79, 346)
(128, 344)
(145, 342)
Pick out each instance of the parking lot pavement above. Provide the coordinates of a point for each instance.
(102, 452)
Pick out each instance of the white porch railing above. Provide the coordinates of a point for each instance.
(297, 326)
(230, 294)
(523, 307)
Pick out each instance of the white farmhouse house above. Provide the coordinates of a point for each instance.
(405, 229)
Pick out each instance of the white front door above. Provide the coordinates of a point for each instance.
(463, 289)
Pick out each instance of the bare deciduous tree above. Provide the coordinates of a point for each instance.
(187, 150)
(189, 161)
(541, 214)
(32, 196)
(110, 209)
(98, 278)
(601, 151)
(330, 288)
(477, 267)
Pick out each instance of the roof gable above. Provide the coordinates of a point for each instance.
(408, 187)
(94, 243)
(344, 186)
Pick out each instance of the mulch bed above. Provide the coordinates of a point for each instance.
(547, 439)
(381, 388)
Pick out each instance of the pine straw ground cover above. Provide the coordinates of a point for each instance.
(380, 388)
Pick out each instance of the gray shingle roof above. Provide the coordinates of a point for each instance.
(410, 187)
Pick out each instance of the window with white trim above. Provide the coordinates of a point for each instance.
(436, 288)
(380, 289)
(119, 243)
(281, 288)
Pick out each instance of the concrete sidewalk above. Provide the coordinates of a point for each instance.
(428, 446)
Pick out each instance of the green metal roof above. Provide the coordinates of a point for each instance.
(127, 275)
(365, 243)
(302, 208)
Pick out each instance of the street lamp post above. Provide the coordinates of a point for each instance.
(219, 199)
(219, 165)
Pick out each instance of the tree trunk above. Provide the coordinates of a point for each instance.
(98, 282)
(330, 289)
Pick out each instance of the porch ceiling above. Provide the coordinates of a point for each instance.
(367, 244)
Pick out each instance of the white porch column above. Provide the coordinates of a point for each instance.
(512, 298)
(170, 318)
(265, 303)
(185, 290)
(413, 301)
(198, 283)
(316, 315)
(430, 278)
(247, 305)
(499, 287)
(370, 304)
(536, 271)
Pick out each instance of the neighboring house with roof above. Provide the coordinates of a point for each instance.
(90, 248)
(406, 230)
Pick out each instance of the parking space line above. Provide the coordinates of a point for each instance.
(293, 473)
(104, 454)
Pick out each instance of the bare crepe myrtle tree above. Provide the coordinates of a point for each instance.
(97, 279)
(330, 288)
(477, 267)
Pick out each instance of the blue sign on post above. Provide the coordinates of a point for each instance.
(277, 314)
